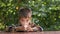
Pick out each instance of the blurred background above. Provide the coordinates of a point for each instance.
(45, 13)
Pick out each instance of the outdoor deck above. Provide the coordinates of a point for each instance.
(45, 32)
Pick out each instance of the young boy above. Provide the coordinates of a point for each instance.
(25, 21)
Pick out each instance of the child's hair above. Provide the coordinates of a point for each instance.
(23, 12)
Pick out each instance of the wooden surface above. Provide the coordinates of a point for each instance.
(45, 32)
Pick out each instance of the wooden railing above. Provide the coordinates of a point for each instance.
(45, 32)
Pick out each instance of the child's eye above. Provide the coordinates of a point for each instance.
(22, 20)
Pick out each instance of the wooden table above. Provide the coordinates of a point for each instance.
(44, 32)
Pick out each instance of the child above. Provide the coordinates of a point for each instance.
(25, 21)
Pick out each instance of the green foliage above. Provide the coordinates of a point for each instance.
(45, 13)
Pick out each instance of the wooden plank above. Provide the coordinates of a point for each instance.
(52, 32)
(45, 32)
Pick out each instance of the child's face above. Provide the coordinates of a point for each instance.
(25, 20)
